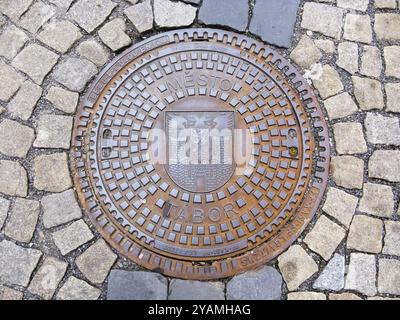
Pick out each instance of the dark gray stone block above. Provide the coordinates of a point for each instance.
(274, 20)
(263, 284)
(231, 13)
(196, 290)
(136, 285)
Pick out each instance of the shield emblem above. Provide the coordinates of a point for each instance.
(200, 155)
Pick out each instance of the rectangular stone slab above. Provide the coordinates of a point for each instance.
(274, 20)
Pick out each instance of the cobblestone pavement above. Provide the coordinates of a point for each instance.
(51, 49)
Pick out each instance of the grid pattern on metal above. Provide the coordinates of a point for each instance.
(200, 221)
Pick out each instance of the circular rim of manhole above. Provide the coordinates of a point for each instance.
(168, 217)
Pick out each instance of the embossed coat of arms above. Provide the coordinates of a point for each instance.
(200, 149)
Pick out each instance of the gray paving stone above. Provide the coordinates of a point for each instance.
(368, 93)
(392, 238)
(296, 266)
(60, 208)
(360, 5)
(14, 9)
(377, 200)
(136, 285)
(22, 220)
(326, 45)
(11, 41)
(387, 26)
(62, 99)
(382, 130)
(38, 14)
(173, 14)
(36, 61)
(75, 73)
(195, 290)
(4, 206)
(77, 289)
(360, 240)
(389, 276)
(90, 14)
(306, 296)
(60, 35)
(10, 80)
(393, 96)
(348, 172)
(306, 53)
(385, 4)
(95, 263)
(323, 18)
(231, 13)
(24, 102)
(48, 277)
(16, 139)
(263, 284)
(93, 51)
(328, 82)
(332, 277)
(17, 263)
(349, 138)
(51, 173)
(385, 164)
(358, 28)
(344, 296)
(141, 15)
(361, 274)
(277, 31)
(13, 179)
(340, 205)
(371, 62)
(114, 36)
(340, 106)
(53, 131)
(72, 237)
(392, 61)
(348, 57)
(325, 237)
(9, 294)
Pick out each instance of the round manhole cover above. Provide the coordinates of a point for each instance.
(200, 153)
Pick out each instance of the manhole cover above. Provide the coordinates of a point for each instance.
(200, 153)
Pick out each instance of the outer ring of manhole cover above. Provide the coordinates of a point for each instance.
(204, 220)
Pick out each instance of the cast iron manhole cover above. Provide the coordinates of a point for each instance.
(200, 153)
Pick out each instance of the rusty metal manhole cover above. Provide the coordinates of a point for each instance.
(200, 153)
